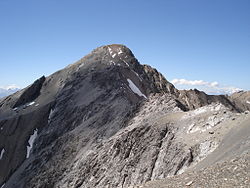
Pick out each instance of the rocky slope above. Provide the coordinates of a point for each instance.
(108, 121)
(241, 99)
(231, 173)
(227, 166)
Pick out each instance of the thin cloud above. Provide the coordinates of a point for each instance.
(208, 87)
(10, 87)
(194, 82)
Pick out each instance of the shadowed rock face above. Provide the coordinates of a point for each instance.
(93, 125)
(31, 93)
(194, 99)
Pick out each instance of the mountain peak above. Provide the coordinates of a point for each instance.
(101, 114)
(115, 49)
(114, 54)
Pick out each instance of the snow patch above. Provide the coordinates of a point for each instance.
(81, 65)
(120, 51)
(126, 63)
(135, 89)
(3, 185)
(248, 102)
(25, 106)
(1, 154)
(30, 104)
(31, 142)
(111, 52)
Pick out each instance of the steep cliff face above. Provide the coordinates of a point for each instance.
(158, 81)
(104, 121)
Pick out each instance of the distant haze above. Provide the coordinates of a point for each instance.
(5, 91)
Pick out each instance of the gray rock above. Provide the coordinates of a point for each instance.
(104, 121)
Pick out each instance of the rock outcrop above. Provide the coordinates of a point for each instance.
(241, 100)
(31, 93)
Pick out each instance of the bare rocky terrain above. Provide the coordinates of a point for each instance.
(108, 121)
(232, 173)
(227, 166)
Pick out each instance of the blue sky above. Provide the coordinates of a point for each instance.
(194, 40)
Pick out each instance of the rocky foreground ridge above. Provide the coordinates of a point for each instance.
(108, 121)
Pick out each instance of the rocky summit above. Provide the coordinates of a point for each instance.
(108, 121)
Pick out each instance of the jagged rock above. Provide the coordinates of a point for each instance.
(31, 93)
(194, 99)
(158, 82)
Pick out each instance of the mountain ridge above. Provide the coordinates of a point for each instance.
(105, 103)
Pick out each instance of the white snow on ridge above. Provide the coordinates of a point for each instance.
(15, 109)
(113, 54)
(31, 103)
(110, 50)
(126, 63)
(120, 51)
(1, 154)
(81, 65)
(25, 105)
(248, 102)
(135, 89)
(31, 142)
